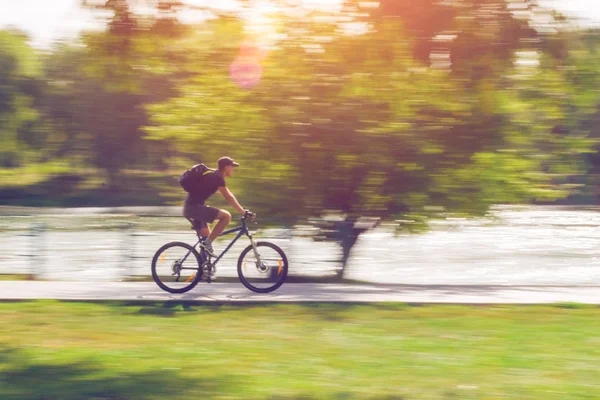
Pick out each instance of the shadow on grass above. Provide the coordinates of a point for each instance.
(166, 309)
(328, 311)
(338, 396)
(22, 378)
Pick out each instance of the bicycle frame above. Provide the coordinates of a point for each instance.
(243, 230)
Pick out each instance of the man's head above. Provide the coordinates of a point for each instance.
(227, 166)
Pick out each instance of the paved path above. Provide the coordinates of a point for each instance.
(235, 292)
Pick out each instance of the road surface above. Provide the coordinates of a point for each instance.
(302, 292)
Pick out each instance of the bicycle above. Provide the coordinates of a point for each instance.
(264, 273)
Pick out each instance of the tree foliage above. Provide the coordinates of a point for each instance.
(403, 112)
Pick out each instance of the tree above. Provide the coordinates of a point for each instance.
(20, 73)
(122, 68)
(357, 124)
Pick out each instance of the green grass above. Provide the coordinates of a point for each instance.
(65, 184)
(33, 173)
(61, 350)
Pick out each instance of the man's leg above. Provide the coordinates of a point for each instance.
(223, 218)
(203, 232)
(195, 215)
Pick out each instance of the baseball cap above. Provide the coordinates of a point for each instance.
(225, 161)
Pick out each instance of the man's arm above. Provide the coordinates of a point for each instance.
(231, 199)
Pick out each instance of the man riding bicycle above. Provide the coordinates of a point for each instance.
(200, 214)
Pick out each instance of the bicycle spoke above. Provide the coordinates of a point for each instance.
(175, 267)
(262, 270)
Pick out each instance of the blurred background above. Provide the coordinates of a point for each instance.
(430, 141)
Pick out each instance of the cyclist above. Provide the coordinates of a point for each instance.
(200, 214)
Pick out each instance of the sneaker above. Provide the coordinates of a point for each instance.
(208, 249)
(209, 275)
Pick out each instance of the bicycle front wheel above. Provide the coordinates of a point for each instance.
(265, 270)
(176, 267)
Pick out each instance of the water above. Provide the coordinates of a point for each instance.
(519, 245)
(524, 246)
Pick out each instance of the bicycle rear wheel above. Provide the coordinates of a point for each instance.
(176, 267)
(265, 270)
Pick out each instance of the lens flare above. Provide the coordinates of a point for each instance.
(246, 72)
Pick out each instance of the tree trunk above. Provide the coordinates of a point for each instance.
(113, 180)
(347, 236)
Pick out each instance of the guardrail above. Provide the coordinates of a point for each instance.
(122, 249)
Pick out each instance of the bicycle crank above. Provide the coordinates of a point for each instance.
(208, 271)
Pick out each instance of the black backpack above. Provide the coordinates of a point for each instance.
(191, 180)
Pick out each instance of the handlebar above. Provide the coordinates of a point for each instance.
(248, 215)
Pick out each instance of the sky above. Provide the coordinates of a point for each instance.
(48, 20)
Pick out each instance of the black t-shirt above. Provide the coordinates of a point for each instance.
(210, 183)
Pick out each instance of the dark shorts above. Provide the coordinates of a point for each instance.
(200, 215)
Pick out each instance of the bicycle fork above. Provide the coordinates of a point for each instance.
(254, 249)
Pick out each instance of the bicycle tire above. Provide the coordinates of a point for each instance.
(156, 276)
(282, 275)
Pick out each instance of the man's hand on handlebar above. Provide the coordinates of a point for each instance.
(249, 215)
